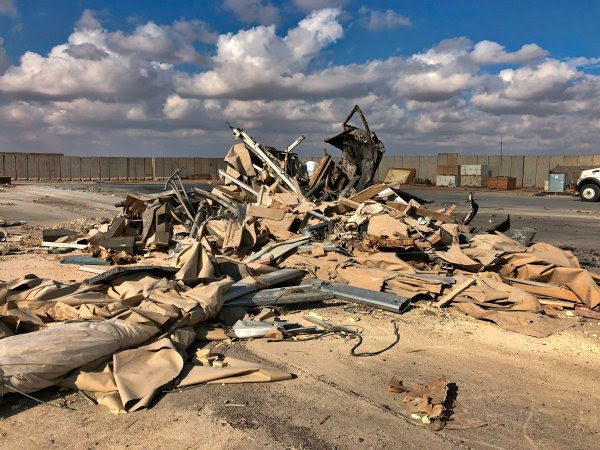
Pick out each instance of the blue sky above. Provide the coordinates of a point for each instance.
(565, 28)
(435, 76)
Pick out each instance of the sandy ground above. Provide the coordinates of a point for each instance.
(533, 393)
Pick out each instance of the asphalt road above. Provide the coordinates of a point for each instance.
(513, 202)
(558, 219)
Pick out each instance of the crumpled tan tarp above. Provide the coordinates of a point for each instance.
(235, 371)
(385, 261)
(130, 380)
(508, 306)
(137, 307)
(549, 264)
(490, 292)
(193, 262)
(456, 256)
(528, 323)
(499, 242)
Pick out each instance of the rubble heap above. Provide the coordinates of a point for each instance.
(270, 234)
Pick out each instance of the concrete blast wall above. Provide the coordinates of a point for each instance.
(530, 170)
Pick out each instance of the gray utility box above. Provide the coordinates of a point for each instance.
(556, 182)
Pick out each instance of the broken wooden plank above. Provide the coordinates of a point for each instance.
(264, 212)
(557, 303)
(423, 212)
(391, 243)
(349, 203)
(454, 292)
(320, 171)
(369, 192)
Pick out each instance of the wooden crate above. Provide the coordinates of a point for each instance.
(448, 169)
(504, 183)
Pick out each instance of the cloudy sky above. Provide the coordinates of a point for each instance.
(162, 77)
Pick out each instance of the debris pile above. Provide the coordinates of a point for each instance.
(271, 234)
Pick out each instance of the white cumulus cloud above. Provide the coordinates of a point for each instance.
(149, 89)
(488, 52)
(250, 62)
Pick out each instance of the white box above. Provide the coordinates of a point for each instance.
(447, 180)
(474, 169)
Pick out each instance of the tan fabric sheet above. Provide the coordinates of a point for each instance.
(236, 371)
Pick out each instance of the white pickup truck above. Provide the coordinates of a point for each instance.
(588, 185)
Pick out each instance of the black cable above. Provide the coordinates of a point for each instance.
(342, 331)
(377, 352)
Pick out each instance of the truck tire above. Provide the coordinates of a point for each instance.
(589, 192)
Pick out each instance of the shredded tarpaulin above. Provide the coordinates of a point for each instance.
(112, 320)
(528, 323)
(130, 380)
(549, 264)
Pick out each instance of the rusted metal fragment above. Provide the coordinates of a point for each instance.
(362, 152)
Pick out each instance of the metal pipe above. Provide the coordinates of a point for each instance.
(375, 299)
(238, 182)
(216, 199)
(291, 242)
(279, 296)
(199, 218)
(295, 144)
(262, 281)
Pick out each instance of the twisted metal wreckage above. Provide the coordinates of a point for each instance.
(270, 234)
